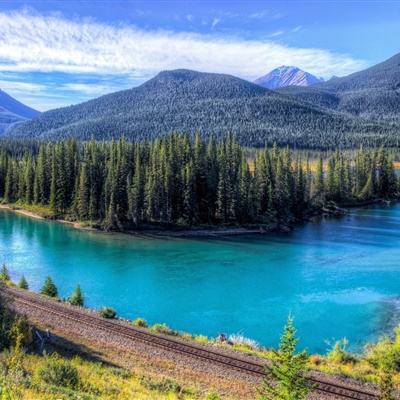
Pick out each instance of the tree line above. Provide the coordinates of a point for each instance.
(175, 181)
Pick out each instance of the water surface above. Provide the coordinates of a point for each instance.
(338, 277)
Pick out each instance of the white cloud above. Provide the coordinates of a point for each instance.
(297, 28)
(215, 22)
(19, 86)
(89, 89)
(276, 33)
(34, 42)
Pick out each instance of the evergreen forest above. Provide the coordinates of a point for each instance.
(178, 182)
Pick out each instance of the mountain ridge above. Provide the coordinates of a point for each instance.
(188, 101)
(287, 76)
(373, 93)
(13, 112)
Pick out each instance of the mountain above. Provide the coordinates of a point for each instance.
(373, 93)
(187, 101)
(13, 112)
(287, 76)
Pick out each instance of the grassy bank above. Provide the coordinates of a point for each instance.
(55, 377)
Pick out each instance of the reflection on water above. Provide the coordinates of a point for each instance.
(338, 277)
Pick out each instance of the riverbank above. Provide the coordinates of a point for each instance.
(44, 213)
(60, 319)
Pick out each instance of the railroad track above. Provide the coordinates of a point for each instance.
(171, 344)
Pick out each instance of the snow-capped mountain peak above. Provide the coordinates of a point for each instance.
(287, 76)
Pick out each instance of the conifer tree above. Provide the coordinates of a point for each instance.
(4, 274)
(49, 288)
(285, 376)
(76, 298)
(23, 284)
(83, 194)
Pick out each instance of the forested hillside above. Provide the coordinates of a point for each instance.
(176, 182)
(188, 101)
(373, 93)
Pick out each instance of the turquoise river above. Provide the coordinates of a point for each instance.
(338, 277)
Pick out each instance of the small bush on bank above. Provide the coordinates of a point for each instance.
(339, 354)
(59, 372)
(241, 340)
(164, 329)
(140, 322)
(213, 396)
(108, 312)
(164, 386)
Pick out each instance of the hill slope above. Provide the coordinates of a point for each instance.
(13, 112)
(373, 93)
(186, 101)
(287, 76)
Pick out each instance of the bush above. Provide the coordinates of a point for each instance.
(164, 386)
(213, 396)
(164, 329)
(59, 372)
(240, 340)
(108, 312)
(140, 322)
(339, 354)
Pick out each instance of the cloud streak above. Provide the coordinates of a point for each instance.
(32, 42)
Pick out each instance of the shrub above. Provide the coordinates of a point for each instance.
(108, 312)
(243, 341)
(213, 396)
(59, 372)
(339, 354)
(164, 386)
(164, 329)
(141, 322)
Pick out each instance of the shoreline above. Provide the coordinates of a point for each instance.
(198, 232)
(21, 211)
(154, 232)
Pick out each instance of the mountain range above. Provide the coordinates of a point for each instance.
(373, 93)
(287, 76)
(13, 112)
(362, 108)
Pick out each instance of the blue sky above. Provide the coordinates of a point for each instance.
(57, 53)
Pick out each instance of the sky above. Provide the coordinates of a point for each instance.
(58, 53)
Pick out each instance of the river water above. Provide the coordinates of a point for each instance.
(338, 277)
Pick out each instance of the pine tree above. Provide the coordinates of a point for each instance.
(318, 189)
(4, 274)
(76, 298)
(23, 284)
(83, 194)
(285, 376)
(49, 288)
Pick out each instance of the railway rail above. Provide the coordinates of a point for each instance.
(193, 350)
